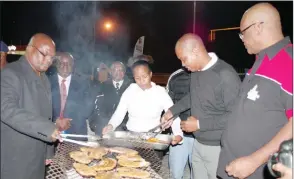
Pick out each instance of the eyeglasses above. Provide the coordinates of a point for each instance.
(38, 50)
(241, 34)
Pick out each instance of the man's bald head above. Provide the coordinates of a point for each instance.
(189, 42)
(260, 27)
(40, 52)
(262, 12)
(192, 52)
(40, 39)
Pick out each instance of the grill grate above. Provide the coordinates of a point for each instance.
(61, 166)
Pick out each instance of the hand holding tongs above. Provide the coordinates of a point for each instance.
(161, 129)
(89, 143)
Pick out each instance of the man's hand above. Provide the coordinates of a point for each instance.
(63, 123)
(190, 125)
(285, 171)
(107, 129)
(166, 118)
(242, 167)
(177, 139)
(56, 135)
(48, 161)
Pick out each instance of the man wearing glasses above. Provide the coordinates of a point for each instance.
(26, 112)
(262, 114)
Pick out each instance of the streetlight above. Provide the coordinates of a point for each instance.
(108, 26)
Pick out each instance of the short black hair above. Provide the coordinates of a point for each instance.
(141, 63)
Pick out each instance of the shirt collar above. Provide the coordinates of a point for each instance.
(152, 86)
(272, 50)
(119, 82)
(211, 62)
(61, 78)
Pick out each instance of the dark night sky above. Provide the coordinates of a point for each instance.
(162, 23)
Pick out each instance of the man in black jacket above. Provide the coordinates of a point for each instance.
(108, 98)
(213, 88)
(177, 87)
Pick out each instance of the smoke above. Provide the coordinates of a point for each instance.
(80, 33)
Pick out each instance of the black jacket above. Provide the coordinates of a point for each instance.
(107, 99)
(178, 86)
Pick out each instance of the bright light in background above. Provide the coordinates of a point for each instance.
(11, 47)
(108, 25)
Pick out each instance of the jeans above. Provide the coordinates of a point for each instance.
(179, 155)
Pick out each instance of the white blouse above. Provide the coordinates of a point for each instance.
(144, 109)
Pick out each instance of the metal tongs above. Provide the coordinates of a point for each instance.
(151, 133)
(92, 143)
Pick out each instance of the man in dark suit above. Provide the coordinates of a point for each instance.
(26, 112)
(70, 95)
(108, 96)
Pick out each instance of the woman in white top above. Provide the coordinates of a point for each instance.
(144, 101)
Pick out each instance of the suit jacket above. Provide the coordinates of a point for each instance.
(26, 123)
(77, 106)
(107, 99)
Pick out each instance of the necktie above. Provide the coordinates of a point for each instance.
(63, 96)
(117, 86)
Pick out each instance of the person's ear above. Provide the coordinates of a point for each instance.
(258, 28)
(195, 50)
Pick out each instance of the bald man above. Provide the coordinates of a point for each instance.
(214, 86)
(26, 112)
(262, 114)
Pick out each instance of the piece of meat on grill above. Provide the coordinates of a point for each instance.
(96, 153)
(132, 172)
(133, 164)
(122, 150)
(105, 164)
(81, 157)
(107, 175)
(84, 170)
(131, 158)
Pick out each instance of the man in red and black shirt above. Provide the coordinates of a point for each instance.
(262, 114)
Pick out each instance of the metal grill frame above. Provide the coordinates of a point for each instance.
(61, 166)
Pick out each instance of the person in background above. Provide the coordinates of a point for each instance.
(26, 112)
(3, 53)
(107, 96)
(213, 88)
(262, 115)
(180, 156)
(144, 101)
(100, 75)
(70, 95)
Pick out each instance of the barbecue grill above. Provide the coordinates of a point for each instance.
(61, 166)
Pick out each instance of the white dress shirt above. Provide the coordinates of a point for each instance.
(144, 109)
(67, 82)
(115, 82)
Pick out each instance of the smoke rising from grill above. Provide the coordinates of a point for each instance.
(81, 34)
